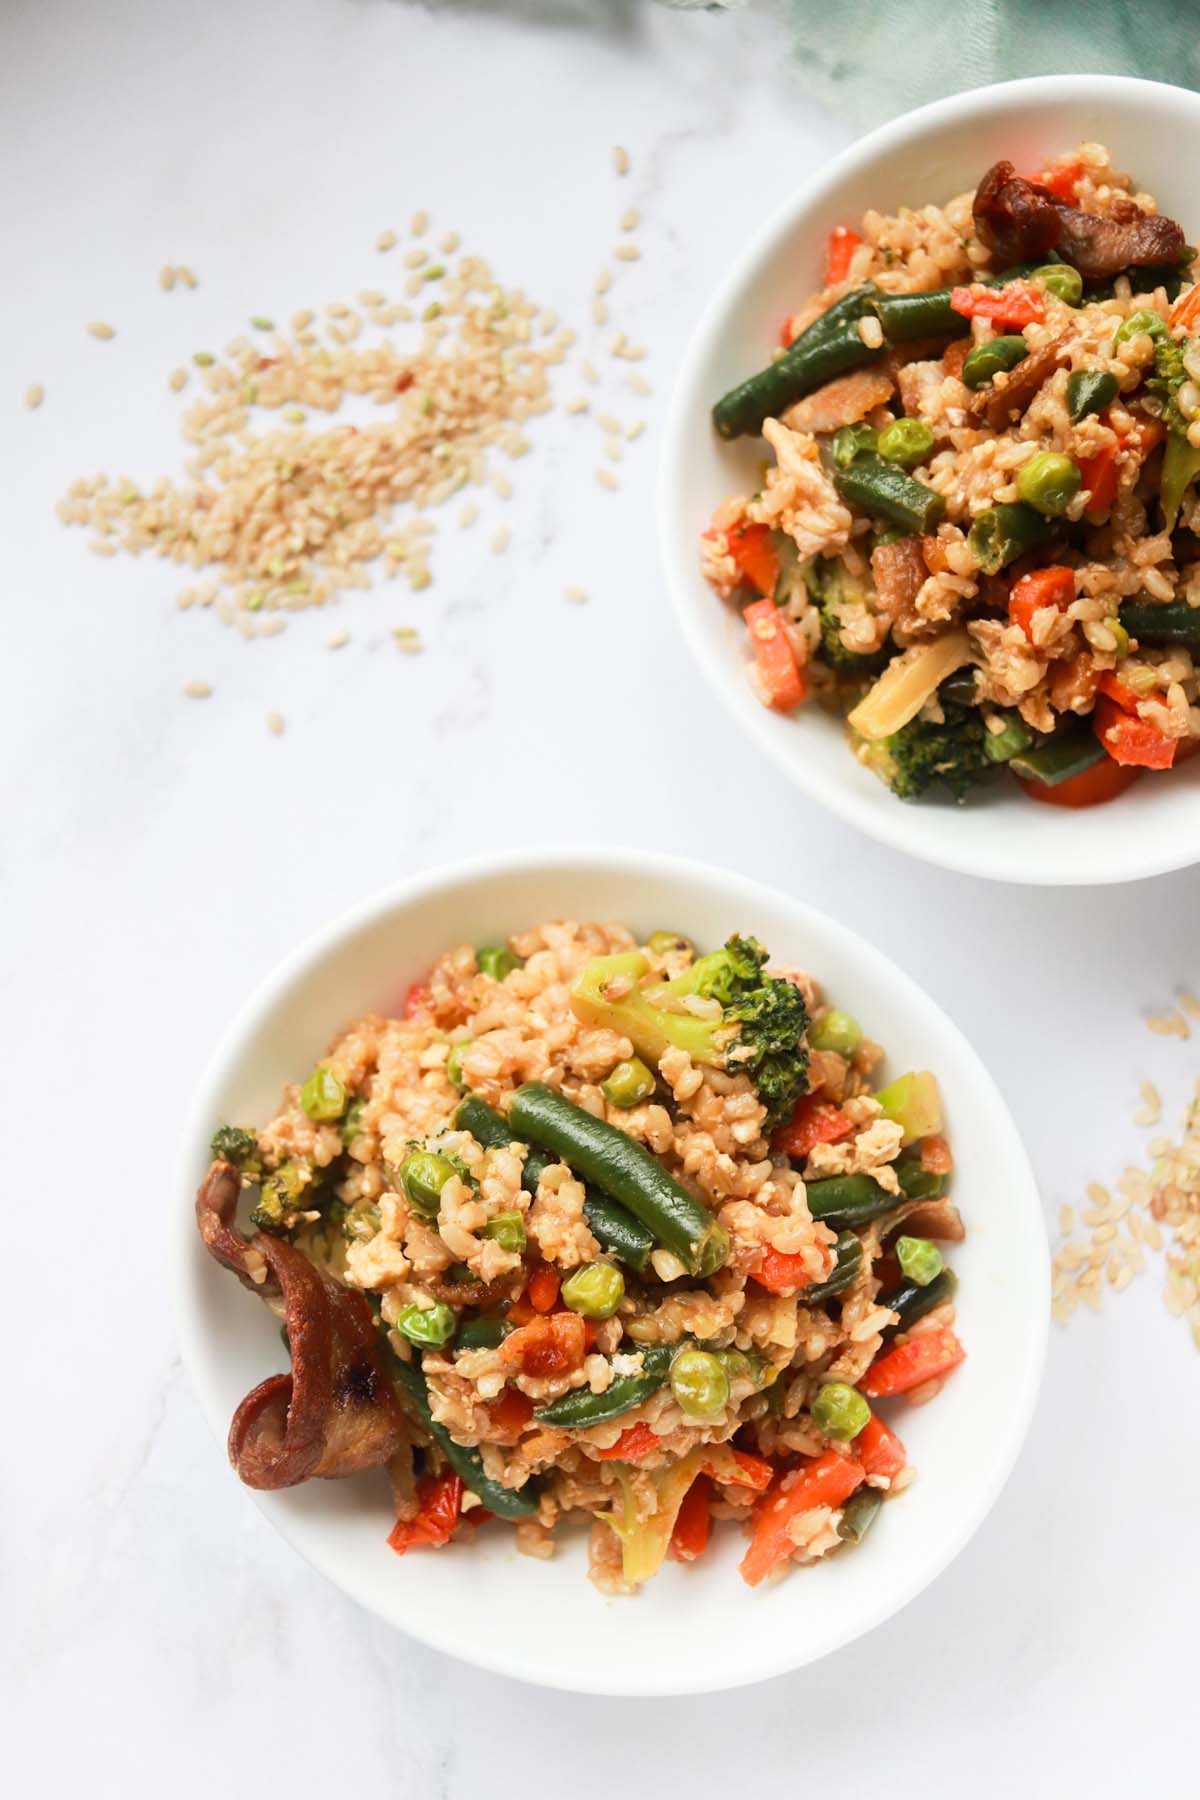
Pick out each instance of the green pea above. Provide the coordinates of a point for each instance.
(497, 960)
(699, 1383)
(430, 1326)
(1061, 280)
(508, 1230)
(984, 362)
(596, 1290)
(839, 1410)
(629, 1083)
(1089, 391)
(838, 1031)
(1049, 482)
(1120, 634)
(746, 1365)
(851, 441)
(454, 1071)
(351, 1125)
(667, 943)
(423, 1175)
(906, 442)
(919, 1259)
(323, 1095)
(1001, 746)
(1139, 323)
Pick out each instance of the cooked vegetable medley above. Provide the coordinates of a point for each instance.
(601, 1231)
(978, 538)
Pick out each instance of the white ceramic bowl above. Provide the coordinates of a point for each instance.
(692, 1629)
(927, 156)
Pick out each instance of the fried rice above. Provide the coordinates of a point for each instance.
(693, 1316)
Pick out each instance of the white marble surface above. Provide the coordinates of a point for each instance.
(160, 854)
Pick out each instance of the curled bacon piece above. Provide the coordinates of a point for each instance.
(336, 1412)
(1021, 221)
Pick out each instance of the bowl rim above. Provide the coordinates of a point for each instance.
(893, 828)
(550, 861)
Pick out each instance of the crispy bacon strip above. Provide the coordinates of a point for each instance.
(1007, 397)
(336, 1412)
(1021, 221)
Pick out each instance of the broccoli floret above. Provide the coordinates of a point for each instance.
(1181, 460)
(758, 1032)
(282, 1196)
(922, 753)
(830, 588)
(234, 1144)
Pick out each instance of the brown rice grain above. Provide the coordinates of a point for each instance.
(627, 253)
(197, 690)
(607, 479)
(99, 328)
(186, 275)
(166, 278)
(276, 723)
(621, 162)
(418, 225)
(385, 241)
(35, 393)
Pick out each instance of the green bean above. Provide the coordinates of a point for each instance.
(1066, 754)
(700, 1383)
(807, 365)
(906, 442)
(629, 1083)
(1173, 623)
(853, 440)
(612, 1224)
(624, 1170)
(908, 316)
(886, 492)
(481, 1334)
(848, 1200)
(595, 1291)
(1013, 737)
(840, 1410)
(1090, 391)
(916, 1181)
(838, 1031)
(849, 1254)
(912, 1301)
(507, 1503)
(919, 1258)
(497, 960)
(323, 1095)
(1049, 482)
(859, 1514)
(1061, 280)
(579, 1409)
(1000, 534)
(985, 361)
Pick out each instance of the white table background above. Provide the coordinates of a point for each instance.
(160, 854)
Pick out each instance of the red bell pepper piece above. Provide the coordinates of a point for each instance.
(879, 1450)
(782, 1272)
(814, 1121)
(755, 555)
(439, 1502)
(546, 1346)
(827, 1480)
(1054, 586)
(1091, 787)
(790, 330)
(839, 254)
(693, 1522)
(636, 1440)
(511, 1410)
(779, 673)
(755, 1471)
(541, 1290)
(1134, 743)
(1117, 690)
(1099, 475)
(1015, 304)
(1062, 179)
(910, 1364)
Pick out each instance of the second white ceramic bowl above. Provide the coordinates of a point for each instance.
(927, 156)
(692, 1629)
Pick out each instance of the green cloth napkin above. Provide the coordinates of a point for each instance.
(868, 60)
